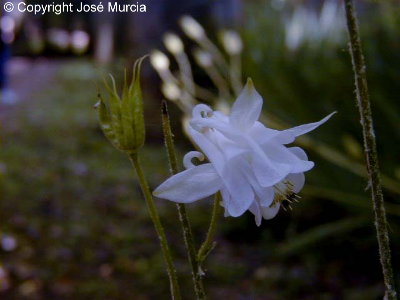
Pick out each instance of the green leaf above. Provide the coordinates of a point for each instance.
(303, 240)
(105, 122)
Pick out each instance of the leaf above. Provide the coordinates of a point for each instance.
(312, 236)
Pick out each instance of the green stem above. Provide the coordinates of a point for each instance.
(175, 291)
(209, 243)
(363, 103)
(186, 228)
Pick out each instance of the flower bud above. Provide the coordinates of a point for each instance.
(170, 90)
(121, 117)
(203, 58)
(173, 43)
(192, 28)
(159, 60)
(232, 42)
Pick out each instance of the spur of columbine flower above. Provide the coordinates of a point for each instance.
(249, 163)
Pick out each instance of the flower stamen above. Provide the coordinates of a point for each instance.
(285, 197)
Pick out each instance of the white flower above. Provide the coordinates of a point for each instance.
(248, 162)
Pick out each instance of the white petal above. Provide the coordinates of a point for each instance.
(290, 134)
(221, 117)
(270, 212)
(300, 153)
(297, 180)
(210, 149)
(255, 209)
(200, 110)
(281, 154)
(229, 148)
(187, 159)
(262, 134)
(190, 185)
(264, 196)
(226, 198)
(240, 191)
(247, 108)
(203, 125)
(268, 173)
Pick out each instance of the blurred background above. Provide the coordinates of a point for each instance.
(73, 224)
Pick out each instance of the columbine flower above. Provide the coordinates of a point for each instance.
(248, 162)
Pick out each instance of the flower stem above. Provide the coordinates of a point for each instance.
(363, 103)
(186, 228)
(175, 291)
(209, 243)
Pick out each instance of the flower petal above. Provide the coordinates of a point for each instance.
(187, 159)
(191, 185)
(262, 134)
(264, 195)
(287, 136)
(270, 212)
(297, 180)
(300, 153)
(268, 173)
(240, 191)
(281, 154)
(210, 150)
(256, 211)
(225, 199)
(247, 108)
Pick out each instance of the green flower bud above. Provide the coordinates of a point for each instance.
(121, 117)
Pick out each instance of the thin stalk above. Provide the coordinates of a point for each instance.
(209, 243)
(186, 73)
(186, 228)
(175, 291)
(363, 103)
(235, 71)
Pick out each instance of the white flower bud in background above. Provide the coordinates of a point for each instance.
(232, 42)
(170, 90)
(203, 58)
(80, 41)
(159, 60)
(58, 38)
(192, 28)
(173, 43)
